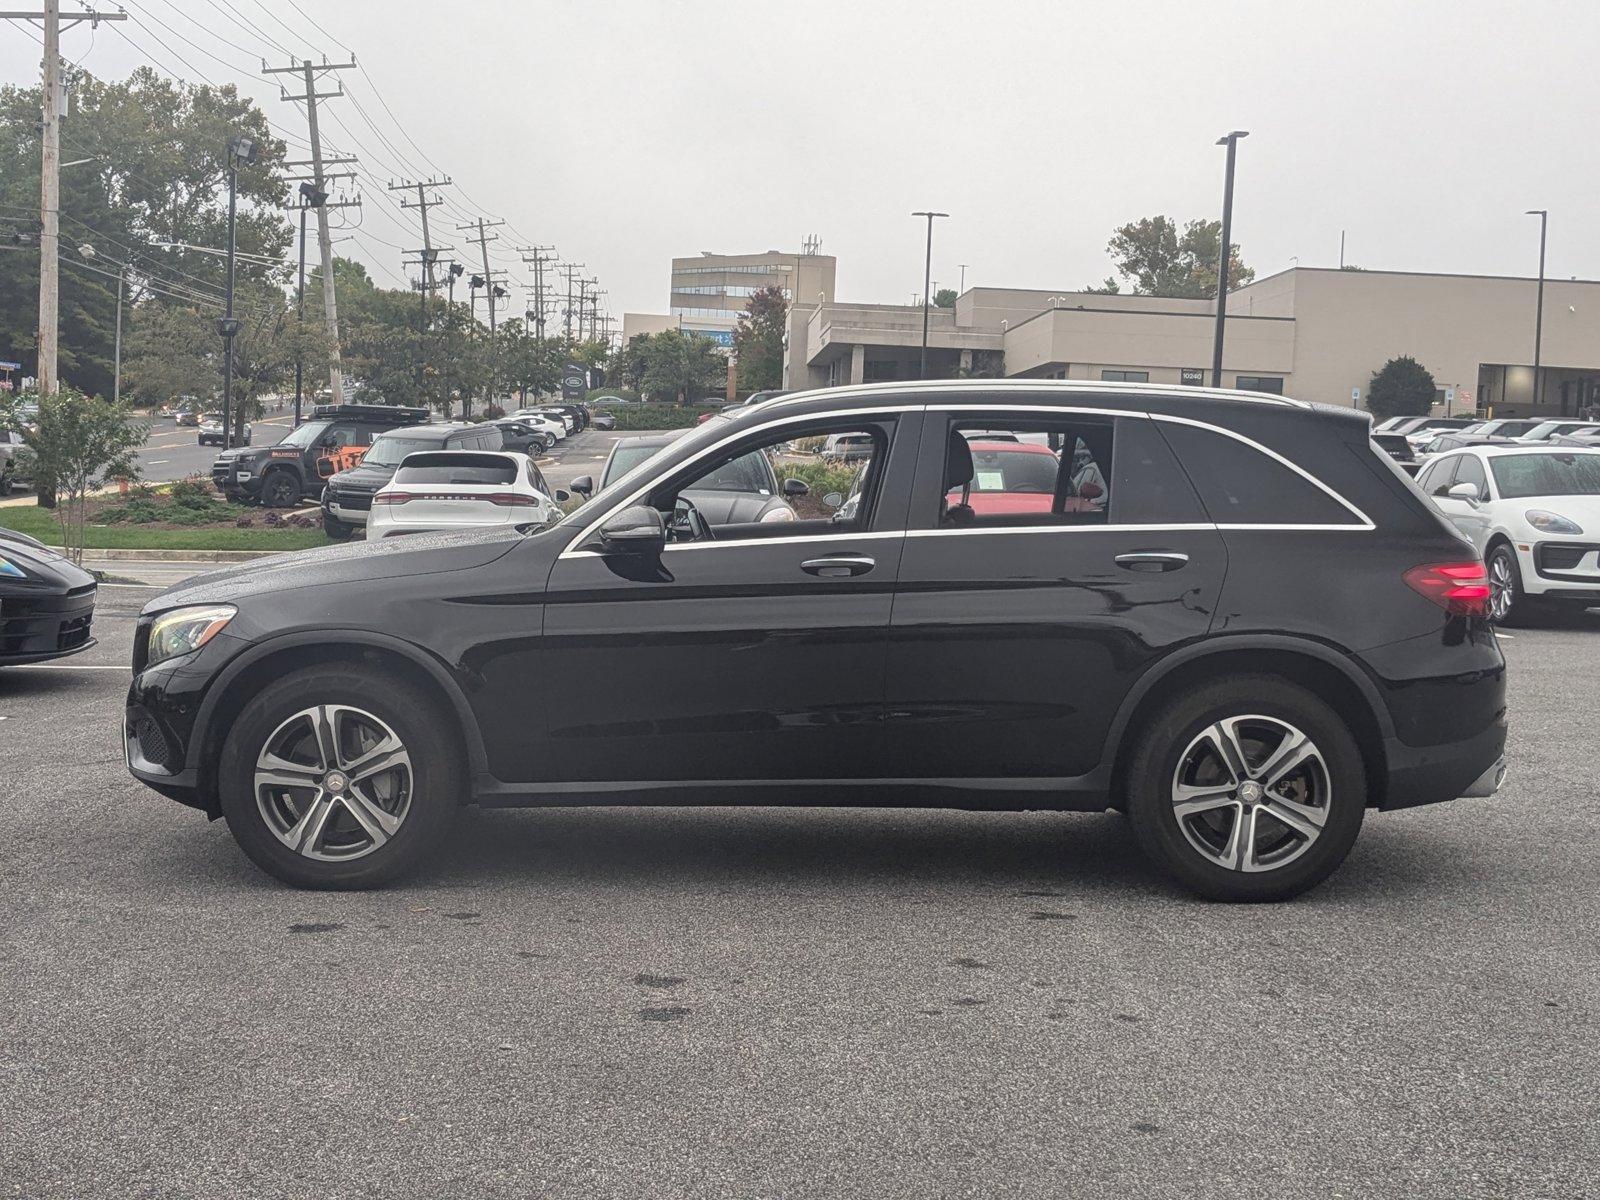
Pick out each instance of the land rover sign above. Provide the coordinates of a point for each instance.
(573, 382)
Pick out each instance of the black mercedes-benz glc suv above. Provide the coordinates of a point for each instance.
(1230, 616)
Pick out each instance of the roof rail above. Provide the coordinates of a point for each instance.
(372, 412)
(1077, 386)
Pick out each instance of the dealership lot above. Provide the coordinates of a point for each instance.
(747, 1001)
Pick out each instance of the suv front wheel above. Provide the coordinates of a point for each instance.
(280, 490)
(1248, 789)
(340, 778)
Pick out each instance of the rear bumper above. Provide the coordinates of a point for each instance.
(1431, 774)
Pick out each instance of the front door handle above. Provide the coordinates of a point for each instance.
(837, 566)
(1152, 560)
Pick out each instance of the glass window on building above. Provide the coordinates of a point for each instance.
(1259, 383)
(1125, 376)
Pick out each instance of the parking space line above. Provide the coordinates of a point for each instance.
(67, 667)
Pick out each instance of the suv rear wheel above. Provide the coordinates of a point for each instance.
(280, 490)
(340, 778)
(1248, 789)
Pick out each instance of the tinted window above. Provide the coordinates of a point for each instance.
(625, 458)
(457, 467)
(1240, 485)
(1438, 477)
(1149, 487)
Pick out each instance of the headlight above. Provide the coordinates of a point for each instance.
(1549, 522)
(777, 514)
(185, 630)
(10, 570)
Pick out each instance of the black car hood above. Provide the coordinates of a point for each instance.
(391, 558)
(362, 478)
(42, 564)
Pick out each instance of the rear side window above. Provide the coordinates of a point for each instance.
(1240, 485)
(1149, 487)
(458, 467)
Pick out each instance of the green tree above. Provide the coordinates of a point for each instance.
(1402, 387)
(154, 172)
(1161, 261)
(944, 298)
(683, 366)
(630, 361)
(758, 340)
(76, 442)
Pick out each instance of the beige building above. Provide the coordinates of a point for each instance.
(1313, 333)
(708, 293)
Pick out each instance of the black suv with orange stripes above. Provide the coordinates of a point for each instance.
(280, 476)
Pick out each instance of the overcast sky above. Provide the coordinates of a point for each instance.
(629, 131)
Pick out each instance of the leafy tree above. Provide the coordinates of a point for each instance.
(1161, 261)
(76, 442)
(683, 366)
(157, 175)
(630, 362)
(1402, 387)
(944, 298)
(1109, 288)
(758, 340)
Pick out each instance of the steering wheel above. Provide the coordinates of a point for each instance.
(689, 524)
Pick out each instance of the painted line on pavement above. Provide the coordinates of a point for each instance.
(67, 667)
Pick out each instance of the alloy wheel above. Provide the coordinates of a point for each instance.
(1251, 793)
(1502, 586)
(333, 783)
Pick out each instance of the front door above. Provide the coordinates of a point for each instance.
(1051, 557)
(753, 647)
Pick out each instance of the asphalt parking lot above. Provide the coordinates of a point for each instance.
(749, 1002)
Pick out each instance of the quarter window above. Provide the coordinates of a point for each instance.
(1240, 485)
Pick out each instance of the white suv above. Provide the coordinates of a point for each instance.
(1533, 512)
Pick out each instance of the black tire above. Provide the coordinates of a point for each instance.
(1165, 740)
(1523, 609)
(437, 788)
(336, 529)
(280, 489)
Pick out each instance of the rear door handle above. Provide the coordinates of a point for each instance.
(838, 566)
(1152, 560)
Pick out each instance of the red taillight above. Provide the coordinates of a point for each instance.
(1461, 587)
(506, 499)
(393, 498)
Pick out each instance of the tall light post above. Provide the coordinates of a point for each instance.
(1231, 141)
(455, 273)
(310, 197)
(240, 150)
(1538, 312)
(927, 276)
(88, 251)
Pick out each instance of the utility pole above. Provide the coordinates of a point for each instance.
(927, 272)
(535, 257)
(482, 242)
(1538, 312)
(427, 255)
(50, 21)
(309, 73)
(570, 271)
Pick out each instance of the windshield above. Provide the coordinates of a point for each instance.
(306, 434)
(1521, 475)
(1541, 432)
(388, 450)
(626, 458)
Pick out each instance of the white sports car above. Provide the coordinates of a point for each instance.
(1533, 512)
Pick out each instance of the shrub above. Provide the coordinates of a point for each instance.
(1402, 388)
(191, 490)
(493, 412)
(660, 416)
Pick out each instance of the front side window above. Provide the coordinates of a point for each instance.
(1521, 475)
(1470, 470)
(790, 482)
(1241, 485)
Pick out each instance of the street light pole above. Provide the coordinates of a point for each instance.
(1231, 141)
(240, 150)
(1538, 314)
(927, 276)
(116, 361)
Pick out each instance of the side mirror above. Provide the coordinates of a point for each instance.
(583, 485)
(325, 467)
(330, 441)
(562, 495)
(1464, 491)
(635, 530)
(834, 500)
(796, 487)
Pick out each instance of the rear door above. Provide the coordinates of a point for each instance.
(1021, 621)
